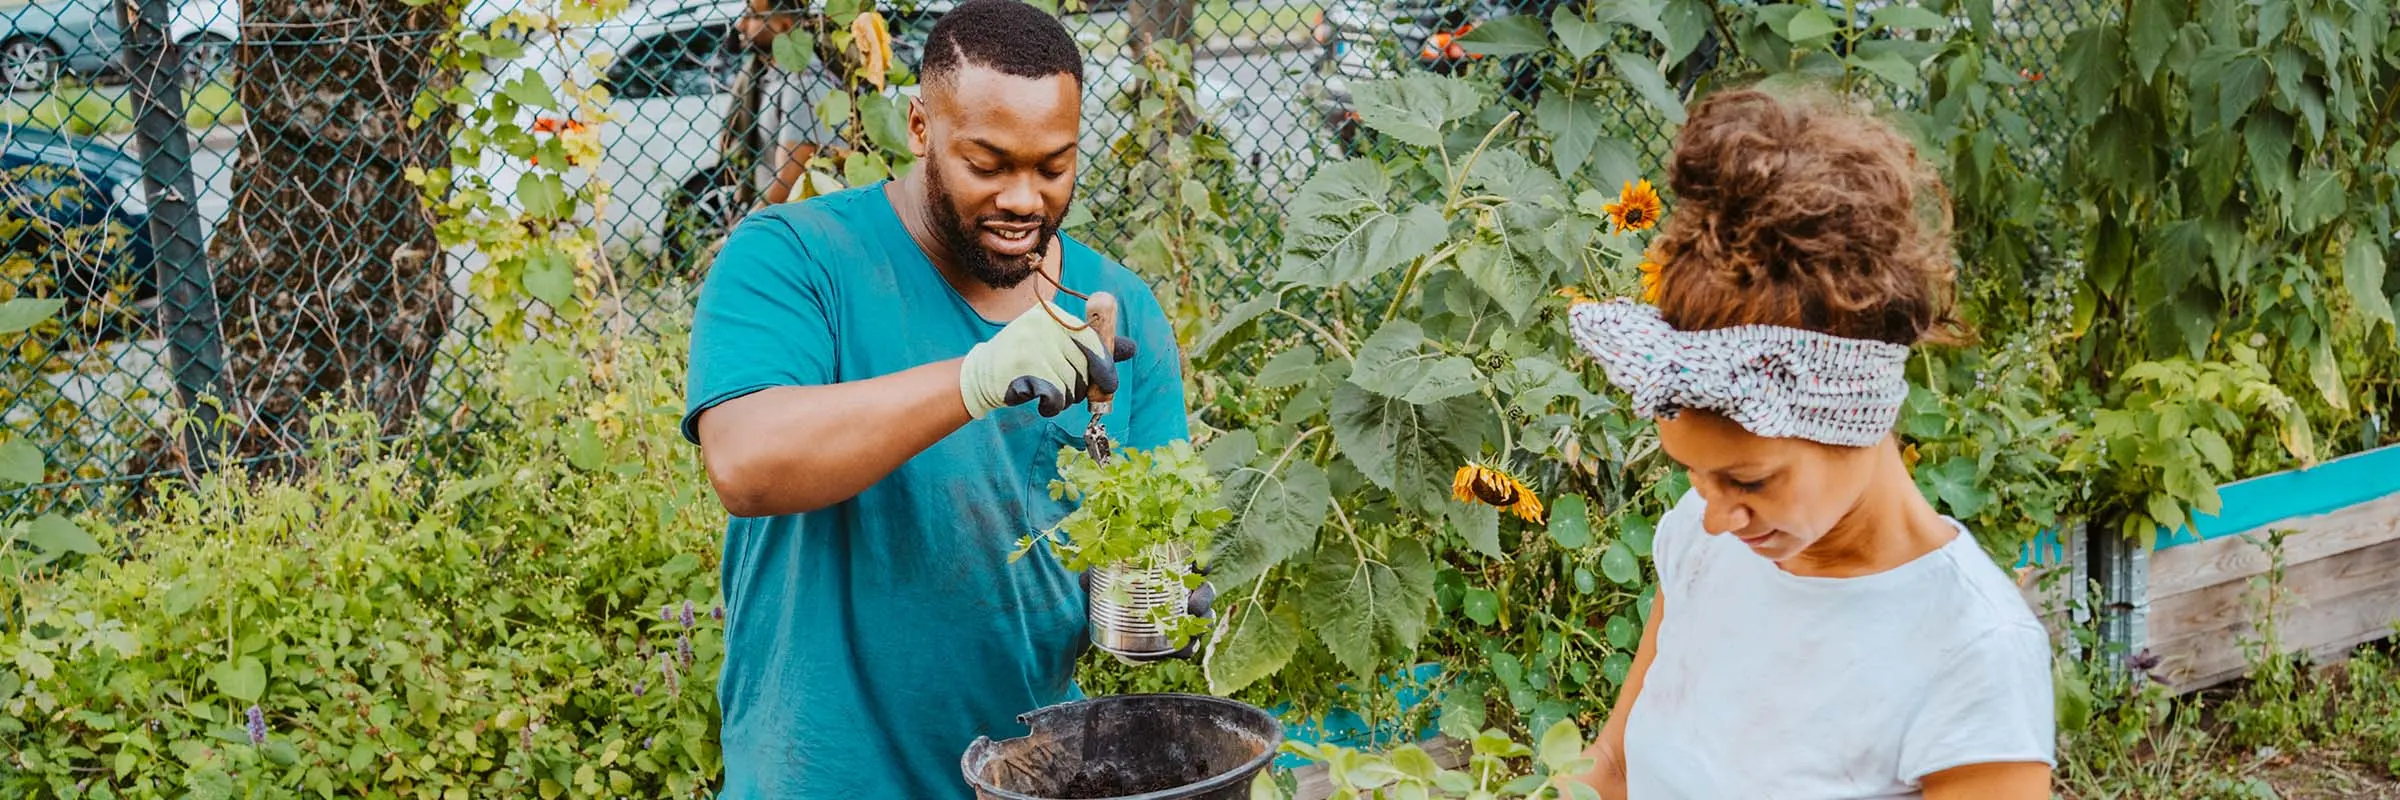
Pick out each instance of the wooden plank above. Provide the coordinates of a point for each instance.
(2327, 629)
(1316, 785)
(2191, 567)
(2261, 501)
(2216, 607)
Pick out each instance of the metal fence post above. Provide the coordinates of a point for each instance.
(2121, 566)
(187, 309)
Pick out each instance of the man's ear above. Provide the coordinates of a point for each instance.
(918, 142)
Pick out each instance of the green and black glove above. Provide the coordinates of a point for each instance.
(1037, 357)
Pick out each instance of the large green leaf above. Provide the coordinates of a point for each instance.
(543, 195)
(1514, 280)
(1237, 325)
(1581, 38)
(1953, 482)
(20, 462)
(1644, 14)
(1619, 565)
(2153, 31)
(1574, 125)
(1889, 62)
(795, 50)
(2239, 86)
(1416, 108)
(56, 534)
(1570, 522)
(1810, 23)
(1394, 363)
(243, 680)
(1687, 23)
(1275, 517)
(1361, 606)
(1646, 79)
(1479, 524)
(886, 121)
(21, 314)
(1513, 35)
(1289, 368)
(2363, 274)
(2092, 69)
(1345, 228)
(1533, 383)
(1252, 645)
(1909, 18)
(550, 276)
(1482, 606)
(530, 90)
(1396, 445)
(2320, 200)
(1509, 174)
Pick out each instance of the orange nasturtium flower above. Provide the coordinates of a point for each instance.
(1476, 483)
(1637, 207)
(874, 40)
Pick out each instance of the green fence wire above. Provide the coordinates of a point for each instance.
(252, 235)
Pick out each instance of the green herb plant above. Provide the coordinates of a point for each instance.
(1147, 512)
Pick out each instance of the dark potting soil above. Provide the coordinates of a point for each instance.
(1100, 784)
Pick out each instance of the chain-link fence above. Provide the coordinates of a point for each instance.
(215, 193)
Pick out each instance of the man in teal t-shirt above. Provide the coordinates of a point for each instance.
(881, 400)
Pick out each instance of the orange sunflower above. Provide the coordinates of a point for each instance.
(1637, 207)
(1650, 280)
(1476, 483)
(1574, 295)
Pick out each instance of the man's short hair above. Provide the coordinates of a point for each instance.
(1007, 35)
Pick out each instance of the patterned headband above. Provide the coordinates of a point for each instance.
(1775, 382)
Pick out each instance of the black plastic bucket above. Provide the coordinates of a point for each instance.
(1129, 747)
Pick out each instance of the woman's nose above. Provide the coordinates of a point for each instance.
(1725, 518)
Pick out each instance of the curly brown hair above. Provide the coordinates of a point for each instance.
(1799, 211)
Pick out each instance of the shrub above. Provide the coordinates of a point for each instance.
(533, 618)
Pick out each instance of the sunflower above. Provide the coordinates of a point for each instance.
(1637, 207)
(1650, 281)
(1476, 483)
(1574, 295)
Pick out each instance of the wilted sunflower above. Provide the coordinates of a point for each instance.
(1637, 207)
(1476, 483)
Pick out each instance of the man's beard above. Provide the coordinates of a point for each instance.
(961, 237)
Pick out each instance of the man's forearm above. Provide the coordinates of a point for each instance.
(796, 449)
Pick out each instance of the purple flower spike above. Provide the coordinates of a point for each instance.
(666, 613)
(717, 613)
(258, 726)
(647, 741)
(639, 687)
(687, 613)
(666, 667)
(683, 647)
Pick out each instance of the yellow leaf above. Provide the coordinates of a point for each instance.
(874, 42)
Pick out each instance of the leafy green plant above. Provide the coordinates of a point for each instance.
(532, 233)
(533, 618)
(2169, 441)
(1145, 513)
(1498, 767)
(1139, 504)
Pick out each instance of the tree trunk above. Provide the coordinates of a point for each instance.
(332, 282)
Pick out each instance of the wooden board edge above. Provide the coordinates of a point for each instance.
(2192, 567)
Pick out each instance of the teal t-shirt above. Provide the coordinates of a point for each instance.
(868, 643)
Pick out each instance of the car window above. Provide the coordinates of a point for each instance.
(680, 63)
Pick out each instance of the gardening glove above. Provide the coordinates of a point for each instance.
(1037, 358)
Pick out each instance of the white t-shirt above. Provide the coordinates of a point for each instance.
(1772, 685)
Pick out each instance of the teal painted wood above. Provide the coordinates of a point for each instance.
(2257, 502)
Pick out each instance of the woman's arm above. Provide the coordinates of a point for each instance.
(2028, 780)
(1608, 749)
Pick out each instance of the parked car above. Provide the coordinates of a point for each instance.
(207, 30)
(76, 208)
(45, 38)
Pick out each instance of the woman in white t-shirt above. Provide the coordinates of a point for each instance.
(1820, 630)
